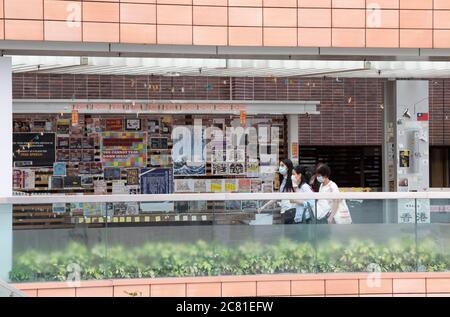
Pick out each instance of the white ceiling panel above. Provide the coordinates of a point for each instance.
(232, 67)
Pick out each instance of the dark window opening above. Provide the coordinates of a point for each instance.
(351, 166)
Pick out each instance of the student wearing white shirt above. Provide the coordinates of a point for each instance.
(287, 209)
(304, 208)
(330, 210)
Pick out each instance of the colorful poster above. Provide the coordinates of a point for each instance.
(189, 150)
(133, 176)
(94, 209)
(159, 143)
(88, 143)
(63, 142)
(17, 179)
(100, 187)
(63, 155)
(87, 155)
(34, 149)
(114, 124)
(72, 181)
(182, 168)
(160, 160)
(56, 182)
(184, 186)
(404, 158)
(132, 208)
(216, 185)
(244, 185)
(21, 125)
(63, 126)
(38, 126)
(124, 149)
(256, 185)
(252, 169)
(294, 151)
(93, 125)
(95, 168)
(166, 125)
(59, 208)
(230, 185)
(75, 155)
(87, 181)
(59, 169)
(156, 181)
(29, 179)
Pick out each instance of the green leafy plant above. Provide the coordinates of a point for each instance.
(170, 259)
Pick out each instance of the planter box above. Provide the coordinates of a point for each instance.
(348, 284)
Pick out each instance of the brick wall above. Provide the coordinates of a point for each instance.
(351, 108)
(440, 112)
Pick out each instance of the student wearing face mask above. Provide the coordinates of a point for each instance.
(330, 210)
(304, 208)
(287, 209)
(315, 185)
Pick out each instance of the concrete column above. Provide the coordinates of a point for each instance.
(406, 148)
(5, 166)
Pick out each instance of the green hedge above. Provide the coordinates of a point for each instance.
(206, 259)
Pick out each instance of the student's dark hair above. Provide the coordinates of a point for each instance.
(290, 166)
(305, 172)
(324, 170)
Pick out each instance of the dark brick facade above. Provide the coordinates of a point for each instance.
(351, 108)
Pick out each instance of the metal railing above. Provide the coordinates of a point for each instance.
(40, 199)
(9, 291)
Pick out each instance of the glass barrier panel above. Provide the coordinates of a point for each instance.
(59, 242)
(115, 240)
(369, 238)
(433, 235)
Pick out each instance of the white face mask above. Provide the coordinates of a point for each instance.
(294, 181)
(320, 179)
(282, 170)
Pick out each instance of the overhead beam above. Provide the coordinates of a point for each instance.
(50, 48)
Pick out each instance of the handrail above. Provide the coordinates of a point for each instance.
(48, 199)
(10, 291)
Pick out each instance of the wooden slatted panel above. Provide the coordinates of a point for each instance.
(351, 166)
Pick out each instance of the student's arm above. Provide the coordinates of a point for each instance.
(305, 189)
(266, 205)
(334, 204)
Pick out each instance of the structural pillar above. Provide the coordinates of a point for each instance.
(406, 147)
(6, 242)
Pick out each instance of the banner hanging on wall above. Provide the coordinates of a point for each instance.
(156, 181)
(34, 149)
(124, 149)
